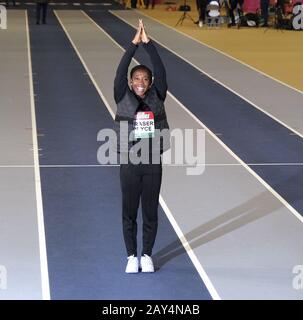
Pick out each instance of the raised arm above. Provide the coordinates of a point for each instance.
(121, 83)
(158, 67)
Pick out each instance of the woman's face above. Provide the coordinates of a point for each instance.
(140, 82)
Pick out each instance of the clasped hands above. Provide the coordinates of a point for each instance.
(141, 35)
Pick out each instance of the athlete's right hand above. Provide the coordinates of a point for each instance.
(137, 38)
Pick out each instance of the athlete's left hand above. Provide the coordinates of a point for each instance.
(144, 37)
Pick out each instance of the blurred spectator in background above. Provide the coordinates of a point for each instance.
(146, 2)
(41, 5)
(280, 4)
(13, 1)
(232, 5)
(264, 12)
(133, 4)
(201, 7)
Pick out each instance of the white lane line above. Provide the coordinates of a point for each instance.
(165, 165)
(222, 52)
(206, 280)
(17, 166)
(265, 184)
(218, 81)
(195, 261)
(41, 230)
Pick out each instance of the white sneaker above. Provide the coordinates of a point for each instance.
(200, 24)
(132, 265)
(146, 263)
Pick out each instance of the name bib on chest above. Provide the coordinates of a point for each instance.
(144, 125)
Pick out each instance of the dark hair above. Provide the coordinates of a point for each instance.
(142, 67)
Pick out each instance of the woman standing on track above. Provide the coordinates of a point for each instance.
(141, 107)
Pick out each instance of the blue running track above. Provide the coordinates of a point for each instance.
(82, 211)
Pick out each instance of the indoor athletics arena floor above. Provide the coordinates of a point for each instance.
(233, 232)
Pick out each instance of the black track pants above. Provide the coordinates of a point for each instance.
(41, 7)
(141, 181)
